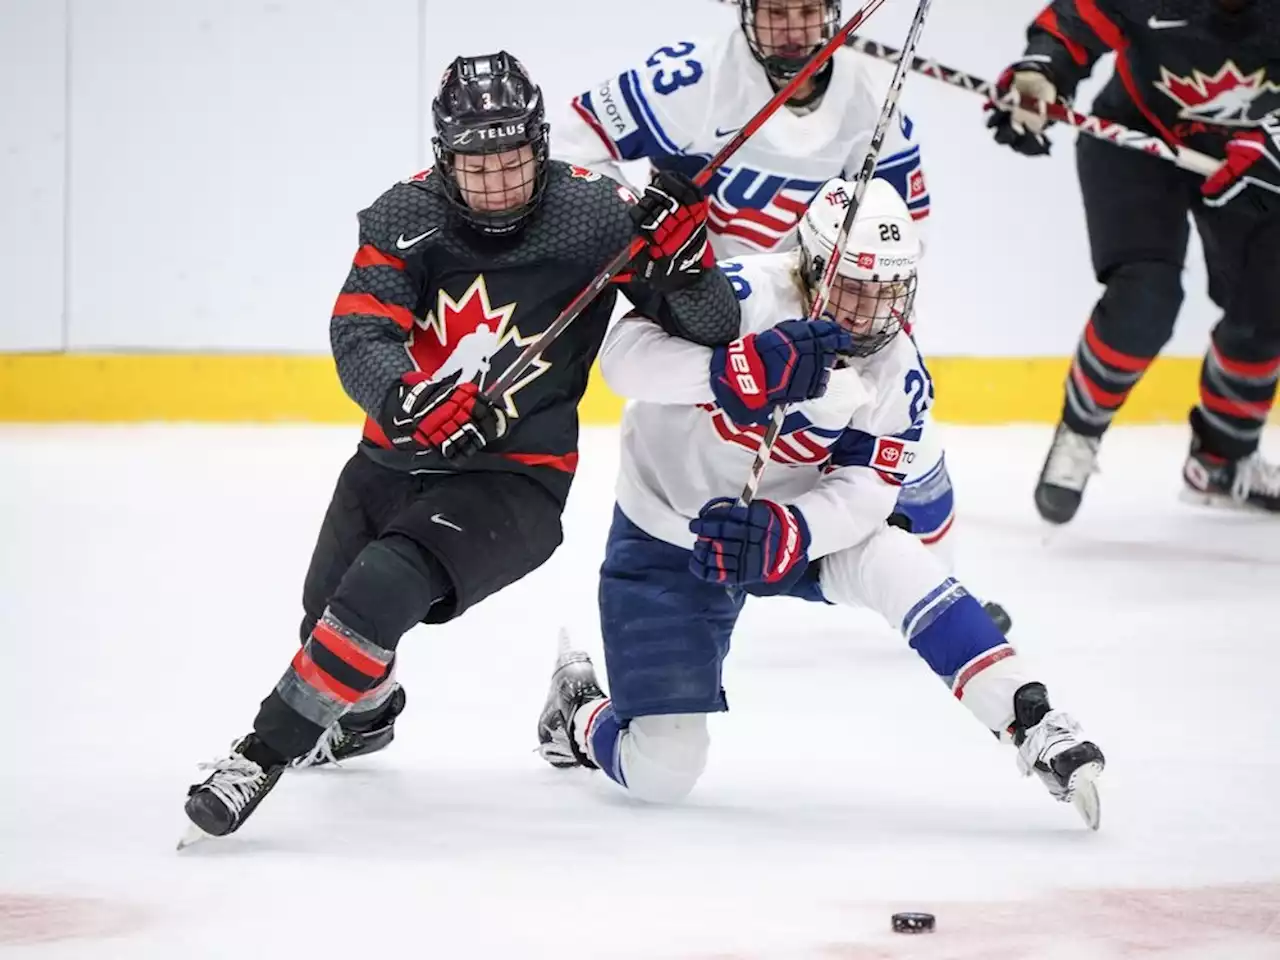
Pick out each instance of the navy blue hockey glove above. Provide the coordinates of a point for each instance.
(672, 218)
(1017, 128)
(1253, 159)
(789, 363)
(455, 419)
(763, 542)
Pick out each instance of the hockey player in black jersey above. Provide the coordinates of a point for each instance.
(450, 496)
(1203, 74)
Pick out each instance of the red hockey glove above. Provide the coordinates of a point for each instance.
(672, 217)
(455, 419)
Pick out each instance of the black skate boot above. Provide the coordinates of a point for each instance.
(1246, 484)
(354, 737)
(573, 684)
(1049, 743)
(999, 616)
(1072, 459)
(235, 788)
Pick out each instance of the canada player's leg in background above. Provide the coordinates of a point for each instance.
(1241, 367)
(1136, 211)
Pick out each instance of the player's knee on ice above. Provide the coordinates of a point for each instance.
(1137, 311)
(663, 756)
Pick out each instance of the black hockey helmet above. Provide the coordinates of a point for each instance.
(488, 105)
(768, 35)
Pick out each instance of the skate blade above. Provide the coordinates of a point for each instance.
(1220, 501)
(556, 757)
(192, 836)
(1084, 795)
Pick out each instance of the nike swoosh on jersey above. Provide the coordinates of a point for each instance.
(1155, 23)
(403, 244)
(445, 522)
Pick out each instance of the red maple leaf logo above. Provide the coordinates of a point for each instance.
(1223, 97)
(464, 336)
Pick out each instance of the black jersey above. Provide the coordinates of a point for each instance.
(1187, 70)
(428, 293)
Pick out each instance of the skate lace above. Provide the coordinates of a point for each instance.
(1255, 475)
(1053, 734)
(323, 751)
(235, 780)
(1072, 459)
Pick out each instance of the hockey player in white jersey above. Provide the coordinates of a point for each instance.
(818, 529)
(681, 105)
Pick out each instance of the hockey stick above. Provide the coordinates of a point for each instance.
(823, 293)
(619, 262)
(1062, 111)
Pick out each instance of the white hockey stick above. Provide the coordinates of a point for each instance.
(823, 293)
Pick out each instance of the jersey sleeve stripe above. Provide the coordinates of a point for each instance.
(366, 304)
(370, 256)
(580, 104)
(909, 156)
(633, 93)
(1048, 21)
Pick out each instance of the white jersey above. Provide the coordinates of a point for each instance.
(688, 100)
(840, 459)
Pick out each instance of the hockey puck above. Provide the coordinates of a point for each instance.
(913, 922)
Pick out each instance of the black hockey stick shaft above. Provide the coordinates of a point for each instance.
(1062, 111)
(624, 257)
(823, 293)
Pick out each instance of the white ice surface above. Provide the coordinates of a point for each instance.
(149, 582)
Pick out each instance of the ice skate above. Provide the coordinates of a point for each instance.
(573, 683)
(344, 739)
(1050, 744)
(239, 781)
(1071, 460)
(1247, 484)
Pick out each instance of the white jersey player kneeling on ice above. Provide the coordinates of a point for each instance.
(818, 529)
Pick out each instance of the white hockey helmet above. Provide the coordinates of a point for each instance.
(875, 283)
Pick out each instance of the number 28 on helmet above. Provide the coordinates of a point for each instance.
(875, 283)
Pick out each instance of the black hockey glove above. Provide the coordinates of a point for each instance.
(672, 218)
(1253, 159)
(1015, 127)
(455, 419)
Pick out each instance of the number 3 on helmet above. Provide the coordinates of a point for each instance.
(875, 284)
